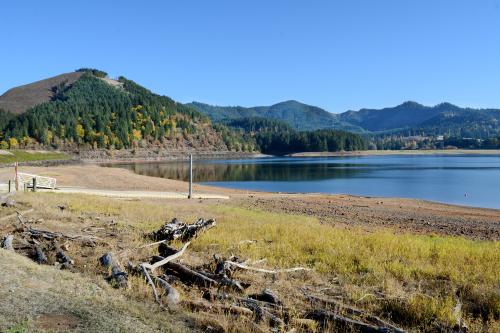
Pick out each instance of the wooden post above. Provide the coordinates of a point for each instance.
(34, 184)
(16, 166)
(190, 195)
(10, 185)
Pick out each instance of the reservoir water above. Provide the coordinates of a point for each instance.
(472, 180)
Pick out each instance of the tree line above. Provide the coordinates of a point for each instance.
(276, 137)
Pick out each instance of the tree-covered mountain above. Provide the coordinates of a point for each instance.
(98, 112)
(408, 118)
(406, 115)
(300, 116)
(443, 118)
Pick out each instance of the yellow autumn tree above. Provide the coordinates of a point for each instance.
(13, 143)
(80, 132)
(136, 134)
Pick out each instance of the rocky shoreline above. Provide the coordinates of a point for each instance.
(156, 155)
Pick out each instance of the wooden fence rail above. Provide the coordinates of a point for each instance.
(41, 182)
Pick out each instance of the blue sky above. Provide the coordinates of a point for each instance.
(339, 55)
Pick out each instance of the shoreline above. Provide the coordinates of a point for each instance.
(100, 157)
(176, 158)
(449, 152)
(399, 214)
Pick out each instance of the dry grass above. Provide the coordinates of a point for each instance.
(29, 156)
(32, 292)
(413, 280)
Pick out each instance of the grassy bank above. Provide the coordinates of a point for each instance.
(11, 156)
(414, 280)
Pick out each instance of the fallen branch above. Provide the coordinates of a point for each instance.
(323, 317)
(266, 296)
(182, 231)
(160, 263)
(189, 275)
(261, 312)
(150, 282)
(152, 244)
(210, 307)
(262, 270)
(340, 307)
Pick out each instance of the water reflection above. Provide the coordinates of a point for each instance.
(467, 180)
(210, 172)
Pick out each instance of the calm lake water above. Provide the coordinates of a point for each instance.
(464, 180)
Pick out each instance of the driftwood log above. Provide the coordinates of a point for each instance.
(182, 231)
(49, 235)
(64, 259)
(171, 295)
(39, 255)
(166, 260)
(7, 243)
(266, 296)
(263, 270)
(118, 276)
(189, 276)
(326, 318)
(337, 306)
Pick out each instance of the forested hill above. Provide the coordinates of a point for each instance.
(276, 137)
(299, 116)
(98, 112)
(409, 117)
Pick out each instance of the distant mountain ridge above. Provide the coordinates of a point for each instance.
(298, 115)
(439, 119)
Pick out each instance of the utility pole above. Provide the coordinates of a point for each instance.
(190, 195)
(16, 166)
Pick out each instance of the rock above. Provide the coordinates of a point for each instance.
(9, 202)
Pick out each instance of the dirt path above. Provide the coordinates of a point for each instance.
(135, 194)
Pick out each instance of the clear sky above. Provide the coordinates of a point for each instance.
(338, 55)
